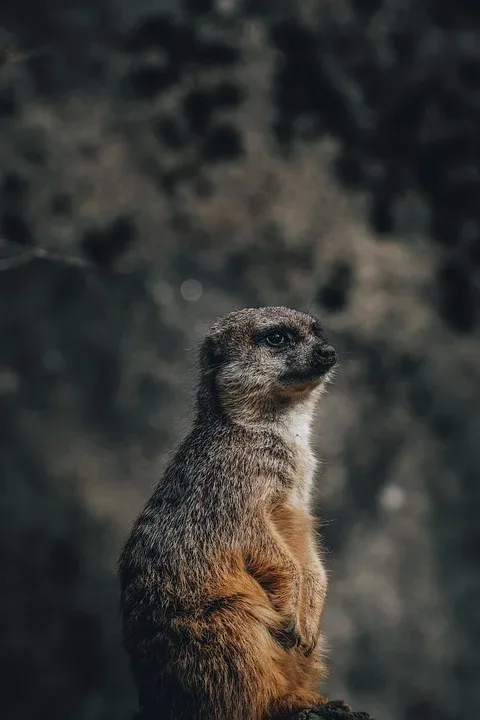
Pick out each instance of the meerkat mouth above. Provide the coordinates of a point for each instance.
(310, 377)
(299, 381)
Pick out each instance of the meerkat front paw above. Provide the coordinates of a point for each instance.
(288, 635)
(310, 638)
(292, 635)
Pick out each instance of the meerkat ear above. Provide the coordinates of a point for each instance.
(210, 353)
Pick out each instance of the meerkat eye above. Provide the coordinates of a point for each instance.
(278, 338)
(275, 339)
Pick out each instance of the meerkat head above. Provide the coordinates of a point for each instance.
(257, 361)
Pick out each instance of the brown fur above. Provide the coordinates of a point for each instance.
(223, 586)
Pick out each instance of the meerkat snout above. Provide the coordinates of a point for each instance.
(310, 367)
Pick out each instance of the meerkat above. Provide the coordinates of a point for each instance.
(222, 580)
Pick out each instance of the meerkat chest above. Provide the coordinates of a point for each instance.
(296, 433)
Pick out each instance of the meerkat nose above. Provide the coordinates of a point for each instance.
(327, 355)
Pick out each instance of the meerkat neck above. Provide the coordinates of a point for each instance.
(292, 420)
(297, 420)
(290, 416)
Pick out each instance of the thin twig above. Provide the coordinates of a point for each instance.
(33, 253)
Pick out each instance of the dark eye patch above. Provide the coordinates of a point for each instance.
(278, 337)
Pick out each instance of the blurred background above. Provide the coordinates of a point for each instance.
(163, 162)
